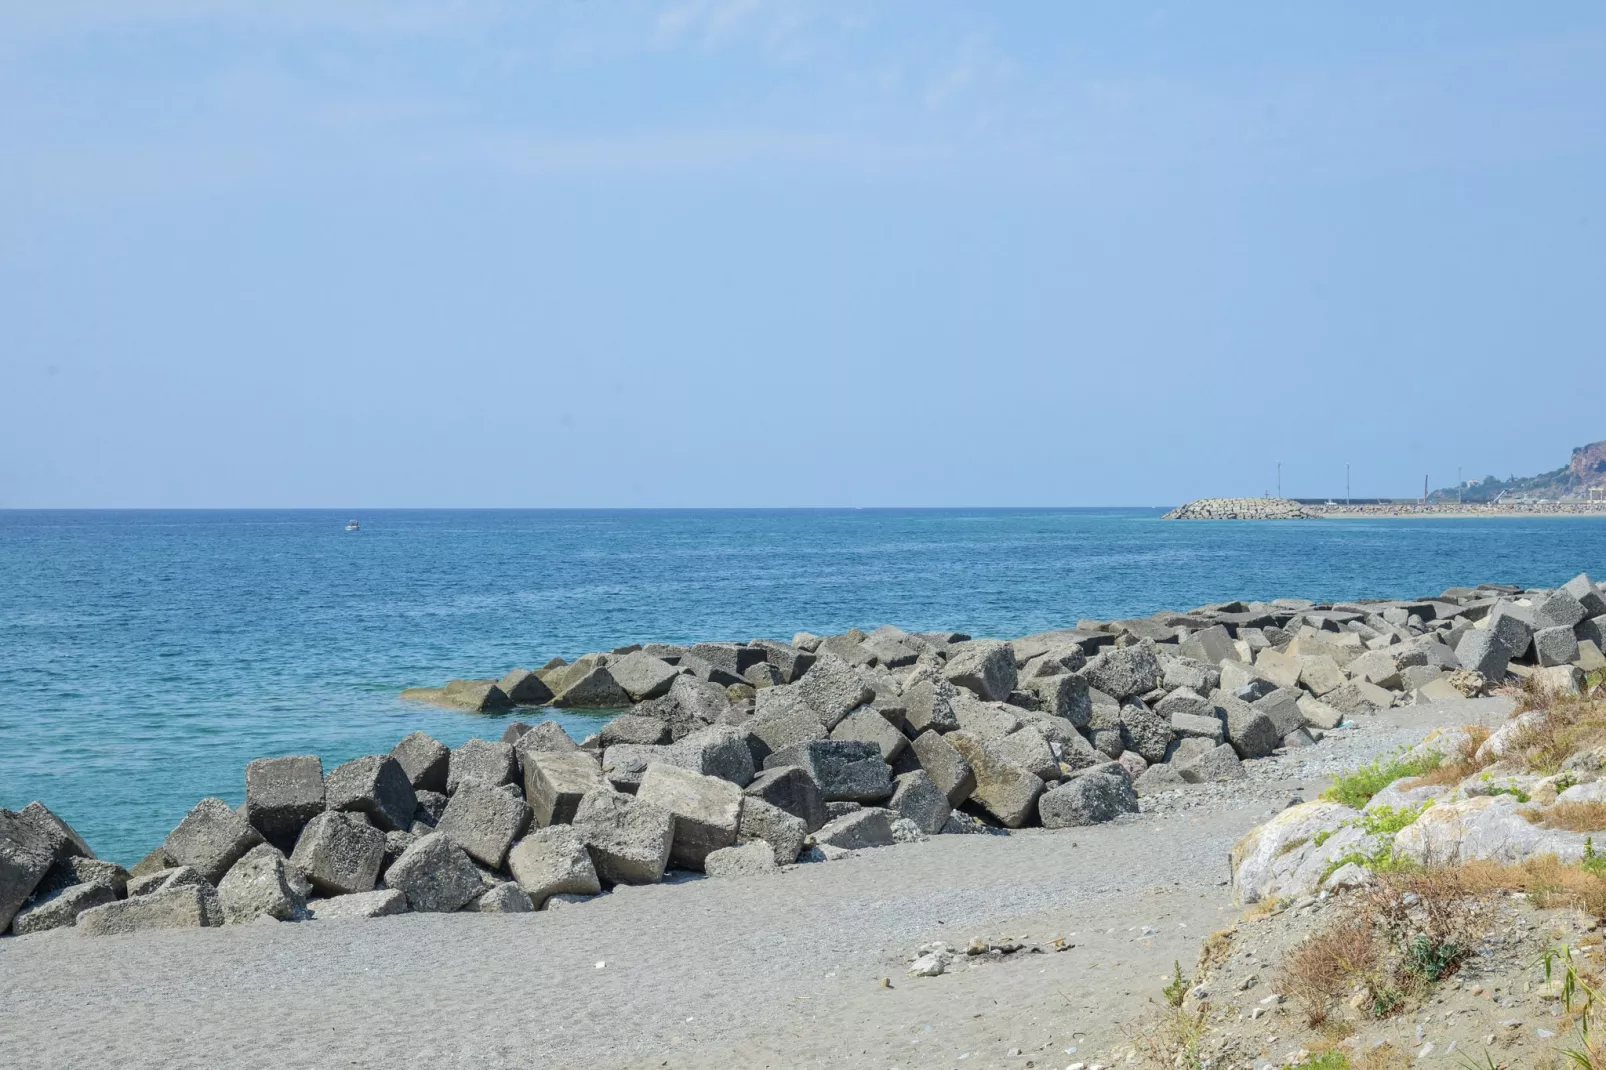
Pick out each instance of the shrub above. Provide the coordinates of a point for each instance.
(1356, 789)
(1572, 816)
(1319, 970)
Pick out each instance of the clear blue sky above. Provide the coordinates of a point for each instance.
(751, 253)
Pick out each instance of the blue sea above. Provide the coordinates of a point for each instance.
(145, 657)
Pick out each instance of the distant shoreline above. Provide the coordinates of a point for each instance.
(1289, 509)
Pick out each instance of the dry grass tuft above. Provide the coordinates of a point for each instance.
(1548, 881)
(1217, 949)
(1570, 724)
(1383, 1057)
(1571, 816)
(1457, 767)
(1322, 969)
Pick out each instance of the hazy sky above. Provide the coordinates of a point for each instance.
(752, 252)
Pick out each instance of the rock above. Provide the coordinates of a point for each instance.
(282, 795)
(718, 751)
(525, 688)
(546, 736)
(553, 861)
(376, 786)
(984, 666)
(182, 906)
(258, 886)
(1359, 697)
(1211, 645)
(1482, 827)
(436, 875)
(476, 696)
(745, 860)
(1188, 702)
(1298, 738)
(339, 853)
(1282, 706)
(1319, 714)
(359, 905)
(431, 805)
(505, 897)
(1104, 729)
(918, 799)
(425, 760)
(1145, 731)
(867, 725)
(76, 869)
(1558, 610)
(1076, 753)
(1185, 725)
(1281, 669)
(929, 704)
(642, 676)
(1197, 676)
(1378, 667)
(782, 832)
(1583, 590)
(790, 660)
(211, 838)
(732, 659)
(990, 720)
(1319, 674)
(629, 839)
(593, 687)
(26, 854)
(484, 821)
(1250, 732)
(1005, 790)
(630, 728)
(1134, 764)
(162, 880)
(482, 761)
(1279, 858)
(1062, 695)
(706, 809)
(702, 701)
(832, 688)
(1555, 646)
(867, 827)
(1123, 672)
(791, 789)
(1218, 763)
(1158, 778)
(947, 768)
(61, 908)
(843, 769)
(1590, 658)
(1090, 799)
(777, 728)
(1028, 749)
(555, 782)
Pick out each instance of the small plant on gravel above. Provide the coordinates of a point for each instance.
(1580, 992)
(1593, 863)
(1321, 969)
(1458, 766)
(1177, 990)
(1357, 788)
(1332, 1059)
(1384, 822)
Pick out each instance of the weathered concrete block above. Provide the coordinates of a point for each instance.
(1158, 778)
(26, 855)
(1319, 674)
(791, 789)
(1123, 672)
(782, 832)
(707, 810)
(436, 875)
(629, 839)
(1005, 790)
(642, 676)
(1511, 625)
(1220, 763)
(845, 770)
(61, 908)
(630, 728)
(525, 688)
(1319, 714)
(282, 795)
(505, 897)
(212, 837)
(1555, 646)
(719, 751)
(1558, 610)
(947, 768)
(1089, 799)
(359, 905)
(1186, 701)
(1282, 706)
(553, 861)
(743, 860)
(990, 720)
(867, 725)
(870, 826)
(484, 761)
(832, 688)
(1250, 732)
(1062, 695)
(1206, 727)
(1359, 697)
(161, 880)
(928, 703)
(1484, 652)
(484, 821)
(258, 886)
(1211, 645)
(592, 688)
(918, 798)
(76, 869)
(1282, 669)
(375, 786)
(181, 906)
(1144, 731)
(983, 666)
(1378, 667)
(1027, 748)
(555, 782)
(777, 729)
(425, 760)
(339, 853)
(1582, 590)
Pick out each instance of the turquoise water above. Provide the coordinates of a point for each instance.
(145, 657)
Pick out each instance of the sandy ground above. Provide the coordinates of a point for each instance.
(778, 971)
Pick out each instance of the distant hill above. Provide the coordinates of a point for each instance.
(1586, 469)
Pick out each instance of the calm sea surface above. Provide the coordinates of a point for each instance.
(145, 657)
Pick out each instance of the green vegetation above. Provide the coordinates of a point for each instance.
(1594, 864)
(1178, 988)
(1327, 1060)
(1356, 789)
(1384, 822)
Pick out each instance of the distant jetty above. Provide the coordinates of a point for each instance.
(1294, 509)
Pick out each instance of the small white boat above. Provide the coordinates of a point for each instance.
(353, 526)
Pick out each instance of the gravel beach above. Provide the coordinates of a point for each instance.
(781, 970)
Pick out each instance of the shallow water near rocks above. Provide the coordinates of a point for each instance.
(145, 657)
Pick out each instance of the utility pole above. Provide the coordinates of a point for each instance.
(1346, 484)
(1424, 490)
